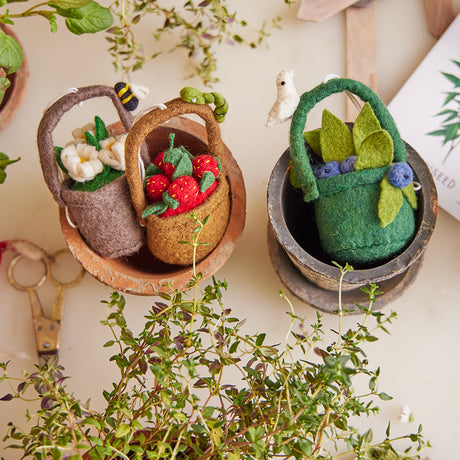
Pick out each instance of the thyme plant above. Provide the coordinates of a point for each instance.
(193, 385)
(199, 27)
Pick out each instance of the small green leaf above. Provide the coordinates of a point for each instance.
(313, 139)
(10, 53)
(91, 140)
(68, 4)
(169, 201)
(390, 202)
(152, 170)
(366, 123)
(335, 138)
(4, 85)
(122, 430)
(409, 193)
(207, 180)
(183, 167)
(155, 208)
(455, 80)
(385, 397)
(376, 150)
(95, 18)
(101, 130)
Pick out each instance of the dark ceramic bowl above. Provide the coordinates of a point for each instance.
(292, 223)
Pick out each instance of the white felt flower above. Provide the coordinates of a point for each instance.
(112, 152)
(81, 162)
(79, 133)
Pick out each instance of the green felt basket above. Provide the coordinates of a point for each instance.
(346, 206)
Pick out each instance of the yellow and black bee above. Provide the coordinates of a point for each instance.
(128, 99)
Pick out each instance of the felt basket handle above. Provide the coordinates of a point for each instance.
(308, 100)
(148, 123)
(51, 118)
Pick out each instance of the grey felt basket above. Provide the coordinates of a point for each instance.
(105, 218)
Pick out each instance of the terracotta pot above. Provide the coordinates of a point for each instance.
(142, 273)
(296, 252)
(15, 93)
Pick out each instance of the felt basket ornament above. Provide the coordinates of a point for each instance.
(362, 187)
(165, 234)
(102, 211)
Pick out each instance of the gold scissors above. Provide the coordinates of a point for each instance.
(46, 327)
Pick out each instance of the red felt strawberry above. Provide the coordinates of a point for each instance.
(155, 186)
(167, 168)
(203, 163)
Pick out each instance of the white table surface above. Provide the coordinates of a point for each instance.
(419, 361)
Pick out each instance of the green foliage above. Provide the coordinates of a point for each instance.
(175, 397)
(450, 126)
(199, 28)
(4, 162)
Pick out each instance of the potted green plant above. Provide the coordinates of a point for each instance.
(177, 398)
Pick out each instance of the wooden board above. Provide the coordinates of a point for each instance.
(361, 49)
(318, 10)
(439, 15)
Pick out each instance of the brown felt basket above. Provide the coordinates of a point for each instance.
(105, 218)
(164, 234)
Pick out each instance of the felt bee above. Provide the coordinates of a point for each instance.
(127, 98)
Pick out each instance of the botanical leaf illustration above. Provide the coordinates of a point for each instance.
(365, 124)
(376, 150)
(450, 126)
(335, 138)
(390, 202)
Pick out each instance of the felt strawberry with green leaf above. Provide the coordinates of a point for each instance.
(174, 162)
(206, 169)
(367, 146)
(179, 197)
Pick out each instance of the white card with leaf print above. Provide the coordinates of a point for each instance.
(427, 113)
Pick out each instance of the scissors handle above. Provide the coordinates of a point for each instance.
(46, 329)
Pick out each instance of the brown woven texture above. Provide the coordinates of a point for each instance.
(164, 234)
(105, 218)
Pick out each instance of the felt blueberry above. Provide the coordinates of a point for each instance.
(348, 165)
(331, 168)
(316, 169)
(400, 175)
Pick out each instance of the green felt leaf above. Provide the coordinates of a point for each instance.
(91, 140)
(169, 201)
(57, 153)
(376, 150)
(10, 53)
(95, 18)
(410, 195)
(390, 202)
(68, 4)
(152, 170)
(207, 180)
(312, 137)
(101, 130)
(155, 208)
(335, 138)
(366, 123)
(184, 166)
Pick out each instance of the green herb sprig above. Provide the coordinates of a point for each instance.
(177, 397)
(200, 28)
